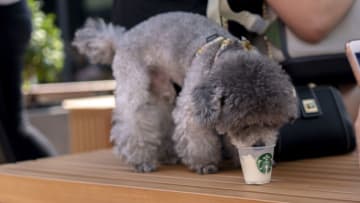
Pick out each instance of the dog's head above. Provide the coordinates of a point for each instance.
(245, 95)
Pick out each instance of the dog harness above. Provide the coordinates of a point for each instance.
(225, 42)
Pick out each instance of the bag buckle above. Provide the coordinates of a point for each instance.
(310, 106)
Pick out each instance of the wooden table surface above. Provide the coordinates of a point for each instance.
(99, 177)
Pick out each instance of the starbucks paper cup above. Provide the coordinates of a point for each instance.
(256, 164)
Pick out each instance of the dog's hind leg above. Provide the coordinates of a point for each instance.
(138, 117)
(197, 146)
(137, 135)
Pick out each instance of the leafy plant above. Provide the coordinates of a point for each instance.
(44, 58)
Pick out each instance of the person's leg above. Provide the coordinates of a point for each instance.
(6, 153)
(26, 142)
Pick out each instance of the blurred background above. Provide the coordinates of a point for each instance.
(55, 72)
(51, 58)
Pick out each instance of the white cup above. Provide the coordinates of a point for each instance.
(256, 163)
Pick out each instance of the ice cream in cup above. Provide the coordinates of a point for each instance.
(256, 163)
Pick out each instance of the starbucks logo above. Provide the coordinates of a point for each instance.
(264, 163)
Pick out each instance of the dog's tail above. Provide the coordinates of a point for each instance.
(98, 40)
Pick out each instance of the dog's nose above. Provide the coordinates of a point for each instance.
(259, 143)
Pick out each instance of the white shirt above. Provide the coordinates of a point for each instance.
(8, 2)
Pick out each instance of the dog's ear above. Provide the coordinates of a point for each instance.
(207, 100)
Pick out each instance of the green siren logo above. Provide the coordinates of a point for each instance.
(264, 163)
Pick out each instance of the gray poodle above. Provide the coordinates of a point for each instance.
(229, 92)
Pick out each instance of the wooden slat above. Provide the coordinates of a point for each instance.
(89, 129)
(89, 122)
(71, 87)
(56, 92)
(97, 102)
(101, 177)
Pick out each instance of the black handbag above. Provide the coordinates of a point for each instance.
(323, 127)
(325, 69)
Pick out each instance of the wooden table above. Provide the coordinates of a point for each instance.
(99, 177)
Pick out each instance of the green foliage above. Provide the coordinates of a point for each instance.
(44, 58)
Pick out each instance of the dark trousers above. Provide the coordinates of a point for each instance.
(25, 142)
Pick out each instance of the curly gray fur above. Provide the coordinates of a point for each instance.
(234, 93)
(97, 40)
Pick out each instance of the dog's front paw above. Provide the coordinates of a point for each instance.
(207, 169)
(145, 167)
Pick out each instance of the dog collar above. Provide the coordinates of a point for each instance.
(225, 42)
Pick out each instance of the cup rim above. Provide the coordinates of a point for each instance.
(257, 147)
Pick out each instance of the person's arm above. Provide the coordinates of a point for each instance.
(311, 20)
(357, 134)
